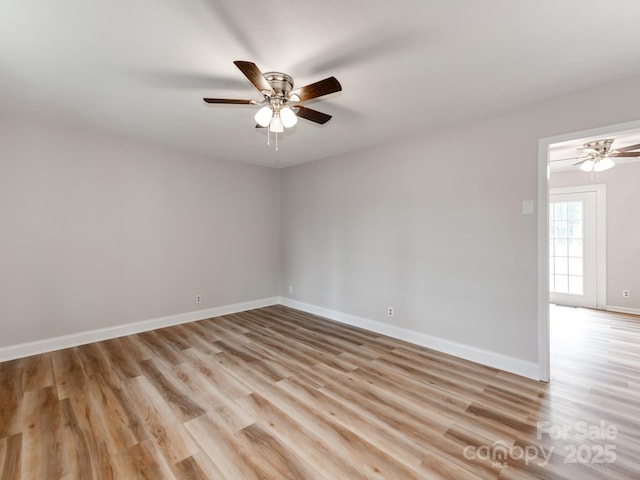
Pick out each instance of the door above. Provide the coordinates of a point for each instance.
(574, 218)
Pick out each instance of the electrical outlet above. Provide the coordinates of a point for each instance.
(290, 288)
(390, 311)
(626, 293)
(198, 298)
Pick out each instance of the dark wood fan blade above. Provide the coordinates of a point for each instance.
(317, 89)
(313, 115)
(630, 147)
(626, 154)
(232, 101)
(259, 126)
(255, 76)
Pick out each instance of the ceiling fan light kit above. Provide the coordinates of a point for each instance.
(275, 112)
(597, 165)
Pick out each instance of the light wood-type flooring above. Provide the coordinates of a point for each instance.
(275, 393)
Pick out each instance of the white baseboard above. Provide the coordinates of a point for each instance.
(57, 343)
(485, 357)
(632, 311)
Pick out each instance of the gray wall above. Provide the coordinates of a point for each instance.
(99, 231)
(623, 228)
(432, 224)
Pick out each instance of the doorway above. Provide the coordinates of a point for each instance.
(543, 233)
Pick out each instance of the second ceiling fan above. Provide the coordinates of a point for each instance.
(281, 104)
(600, 155)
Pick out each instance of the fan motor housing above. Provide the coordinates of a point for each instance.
(600, 146)
(281, 83)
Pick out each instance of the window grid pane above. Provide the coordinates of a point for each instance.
(562, 283)
(566, 262)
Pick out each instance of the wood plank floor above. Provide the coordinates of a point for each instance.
(275, 393)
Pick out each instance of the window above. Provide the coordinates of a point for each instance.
(566, 248)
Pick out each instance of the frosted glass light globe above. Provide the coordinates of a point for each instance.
(288, 118)
(276, 125)
(263, 117)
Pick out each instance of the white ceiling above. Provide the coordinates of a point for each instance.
(140, 68)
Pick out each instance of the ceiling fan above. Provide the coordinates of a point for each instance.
(276, 112)
(599, 155)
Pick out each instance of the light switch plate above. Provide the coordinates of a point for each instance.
(527, 207)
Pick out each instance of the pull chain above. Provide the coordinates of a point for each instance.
(269, 137)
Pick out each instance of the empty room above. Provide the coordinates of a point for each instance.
(319, 240)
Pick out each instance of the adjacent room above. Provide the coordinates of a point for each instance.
(319, 240)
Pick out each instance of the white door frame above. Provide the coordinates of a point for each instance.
(601, 234)
(543, 231)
